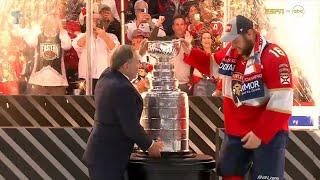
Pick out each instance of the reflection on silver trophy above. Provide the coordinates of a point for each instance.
(166, 111)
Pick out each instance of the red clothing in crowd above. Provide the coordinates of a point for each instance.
(10, 71)
(71, 58)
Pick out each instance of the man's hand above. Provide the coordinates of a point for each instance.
(142, 85)
(82, 41)
(188, 37)
(100, 32)
(148, 18)
(186, 42)
(143, 47)
(155, 149)
(251, 141)
(160, 21)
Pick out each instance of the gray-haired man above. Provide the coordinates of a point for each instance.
(117, 116)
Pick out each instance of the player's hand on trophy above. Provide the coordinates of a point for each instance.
(251, 141)
(155, 149)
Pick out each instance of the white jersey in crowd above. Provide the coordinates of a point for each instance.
(101, 55)
(182, 70)
(47, 76)
(145, 27)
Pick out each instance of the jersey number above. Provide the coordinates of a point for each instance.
(277, 52)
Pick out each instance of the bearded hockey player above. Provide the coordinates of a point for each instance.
(258, 97)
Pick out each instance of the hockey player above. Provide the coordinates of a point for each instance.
(258, 96)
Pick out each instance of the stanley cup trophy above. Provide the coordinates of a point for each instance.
(166, 112)
(166, 117)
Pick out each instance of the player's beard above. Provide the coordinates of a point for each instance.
(248, 48)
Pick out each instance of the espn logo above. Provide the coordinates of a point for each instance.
(228, 27)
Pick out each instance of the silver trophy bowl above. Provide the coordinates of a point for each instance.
(166, 112)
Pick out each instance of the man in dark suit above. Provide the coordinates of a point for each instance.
(117, 128)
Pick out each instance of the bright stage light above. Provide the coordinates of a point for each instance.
(295, 26)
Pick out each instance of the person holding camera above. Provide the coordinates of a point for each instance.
(143, 21)
(103, 45)
(108, 22)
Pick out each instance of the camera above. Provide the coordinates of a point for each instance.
(102, 24)
(197, 17)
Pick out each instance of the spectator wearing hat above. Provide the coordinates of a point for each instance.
(141, 83)
(138, 36)
(108, 22)
(103, 45)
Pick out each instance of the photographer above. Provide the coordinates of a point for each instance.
(102, 48)
(108, 22)
(143, 20)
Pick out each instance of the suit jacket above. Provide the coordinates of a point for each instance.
(117, 123)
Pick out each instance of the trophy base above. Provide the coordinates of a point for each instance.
(169, 155)
(198, 167)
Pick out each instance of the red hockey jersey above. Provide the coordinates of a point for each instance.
(265, 116)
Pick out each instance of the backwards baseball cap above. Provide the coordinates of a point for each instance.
(235, 27)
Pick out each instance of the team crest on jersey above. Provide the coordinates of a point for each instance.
(284, 72)
(285, 78)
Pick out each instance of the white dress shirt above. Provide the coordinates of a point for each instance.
(100, 57)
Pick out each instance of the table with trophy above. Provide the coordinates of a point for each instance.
(165, 116)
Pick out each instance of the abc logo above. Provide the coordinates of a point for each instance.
(298, 11)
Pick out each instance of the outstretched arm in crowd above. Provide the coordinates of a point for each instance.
(64, 37)
(205, 62)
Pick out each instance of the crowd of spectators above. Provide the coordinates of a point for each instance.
(51, 58)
